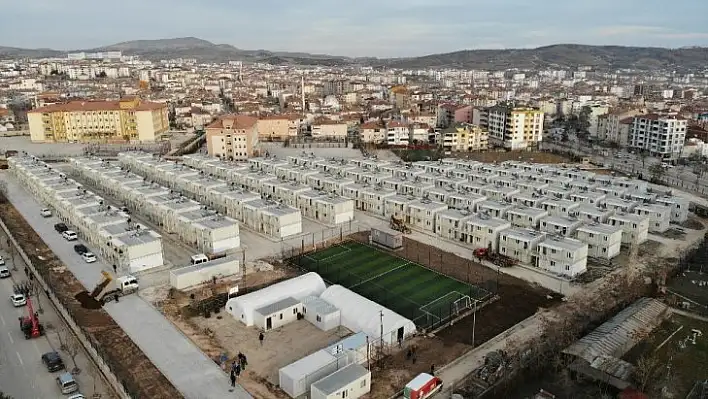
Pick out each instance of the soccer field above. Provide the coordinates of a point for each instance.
(426, 297)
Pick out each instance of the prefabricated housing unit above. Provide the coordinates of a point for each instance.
(677, 205)
(450, 223)
(523, 216)
(389, 238)
(193, 275)
(334, 209)
(590, 213)
(482, 231)
(635, 228)
(137, 251)
(604, 240)
(320, 313)
(244, 307)
(296, 378)
(560, 225)
(421, 213)
(520, 244)
(563, 256)
(497, 209)
(659, 216)
(351, 382)
(277, 314)
(559, 207)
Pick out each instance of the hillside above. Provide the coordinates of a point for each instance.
(555, 56)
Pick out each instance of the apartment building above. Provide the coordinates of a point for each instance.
(233, 137)
(662, 136)
(464, 137)
(604, 240)
(126, 120)
(373, 132)
(515, 128)
(397, 133)
(520, 244)
(562, 255)
(482, 231)
(328, 128)
(278, 127)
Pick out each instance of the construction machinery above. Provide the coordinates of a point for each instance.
(30, 324)
(398, 224)
(110, 288)
(495, 258)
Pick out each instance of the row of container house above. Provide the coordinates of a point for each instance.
(110, 232)
(195, 224)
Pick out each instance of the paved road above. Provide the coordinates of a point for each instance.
(183, 363)
(22, 374)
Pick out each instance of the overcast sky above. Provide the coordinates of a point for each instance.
(382, 28)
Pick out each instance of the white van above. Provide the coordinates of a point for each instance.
(66, 383)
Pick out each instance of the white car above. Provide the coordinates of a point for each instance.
(46, 212)
(2, 261)
(77, 396)
(70, 235)
(18, 300)
(4, 272)
(88, 257)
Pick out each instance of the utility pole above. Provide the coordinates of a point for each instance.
(474, 322)
(382, 330)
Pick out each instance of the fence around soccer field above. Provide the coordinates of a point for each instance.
(335, 268)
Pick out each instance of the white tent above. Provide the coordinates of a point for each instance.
(363, 315)
(243, 307)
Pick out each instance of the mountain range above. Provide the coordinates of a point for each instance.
(554, 56)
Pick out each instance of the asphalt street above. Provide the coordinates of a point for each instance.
(22, 374)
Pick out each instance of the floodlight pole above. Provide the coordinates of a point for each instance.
(474, 321)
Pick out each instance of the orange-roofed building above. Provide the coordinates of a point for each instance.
(124, 120)
(278, 127)
(233, 137)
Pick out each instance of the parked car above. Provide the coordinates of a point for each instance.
(4, 272)
(46, 212)
(70, 235)
(88, 257)
(18, 300)
(2, 261)
(77, 396)
(80, 249)
(61, 227)
(52, 361)
(67, 383)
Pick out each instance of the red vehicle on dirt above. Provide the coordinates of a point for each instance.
(423, 386)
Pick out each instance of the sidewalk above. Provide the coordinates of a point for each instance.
(183, 363)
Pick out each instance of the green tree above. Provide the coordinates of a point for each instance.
(657, 172)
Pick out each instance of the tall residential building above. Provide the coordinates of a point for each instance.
(515, 128)
(609, 126)
(278, 127)
(464, 137)
(125, 120)
(233, 137)
(661, 136)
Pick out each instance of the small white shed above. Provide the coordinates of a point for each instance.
(277, 314)
(295, 379)
(361, 314)
(320, 313)
(243, 307)
(351, 382)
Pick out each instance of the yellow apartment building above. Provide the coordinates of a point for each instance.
(515, 128)
(124, 120)
(233, 137)
(278, 127)
(464, 137)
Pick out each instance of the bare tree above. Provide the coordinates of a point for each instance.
(72, 348)
(647, 367)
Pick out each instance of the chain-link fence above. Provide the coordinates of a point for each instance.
(320, 239)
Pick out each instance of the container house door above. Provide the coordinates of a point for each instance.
(269, 323)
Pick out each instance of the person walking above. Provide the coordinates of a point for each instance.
(233, 380)
(244, 362)
(115, 269)
(261, 337)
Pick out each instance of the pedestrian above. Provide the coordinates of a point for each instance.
(409, 354)
(244, 362)
(233, 366)
(432, 369)
(233, 379)
(261, 337)
(237, 370)
(115, 269)
(415, 357)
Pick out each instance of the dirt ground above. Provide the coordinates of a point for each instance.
(216, 335)
(130, 365)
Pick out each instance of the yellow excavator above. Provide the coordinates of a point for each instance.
(399, 224)
(108, 289)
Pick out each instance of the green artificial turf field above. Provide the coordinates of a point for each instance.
(424, 296)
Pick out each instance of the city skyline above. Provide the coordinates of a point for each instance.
(365, 28)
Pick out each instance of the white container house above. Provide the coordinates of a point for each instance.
(450, 223)
(277, 314)
(421, 214)
(523, 216)
(560, 225)
(604, 240)
(482, 231)
(320, 313)
(635, 228)
(520, 244)
(563, 256)
(677, 205)
(333, 209)
(351, 382)
(296, 378)
(592, 214)
(659, 216)
(193, 275)
(559, 207)
(497, 209)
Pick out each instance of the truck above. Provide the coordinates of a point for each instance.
(422, 387)
(110, 288)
